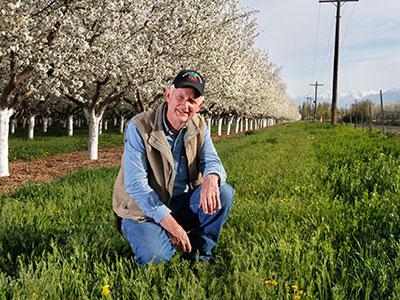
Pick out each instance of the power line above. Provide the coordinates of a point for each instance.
(347, 27)
(328, 52)
(316, 41)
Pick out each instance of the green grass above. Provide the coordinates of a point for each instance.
(56, 141)
(316, 212)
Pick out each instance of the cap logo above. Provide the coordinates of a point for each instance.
(193, 76)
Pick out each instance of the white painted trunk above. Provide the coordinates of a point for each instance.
(257, 123)
(209, 123)
(31, 127)
(241, 124)
(228, 127)
(122, 124)
(93, 121)
(70, 126)
(80, 123)
(220, 126)
(105, 124)
(13, 125)
(115, 122)
(101, 126)
(251, 124)
(237, 125)
(45, 122)
(246, 126)
(5, 115)
(50, 121)
(23, 122)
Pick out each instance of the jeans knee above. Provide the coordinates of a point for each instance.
(226, 193)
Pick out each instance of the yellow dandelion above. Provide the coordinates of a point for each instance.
(19, 256)
(295, 287)
(296, 297)
(297, 188)
(255, 192)
(272, 282)
(34, 294)
(105, 290)
(276, 233)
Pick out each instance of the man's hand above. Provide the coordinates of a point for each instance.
(177, 235)
(209, 194)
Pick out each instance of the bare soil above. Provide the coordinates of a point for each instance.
(45, 169)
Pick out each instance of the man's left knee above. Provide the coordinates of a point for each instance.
(226, 193)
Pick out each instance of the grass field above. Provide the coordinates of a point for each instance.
(316, 216)
(56, 141)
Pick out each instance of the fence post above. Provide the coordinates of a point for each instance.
(383, 114)
(370, 116)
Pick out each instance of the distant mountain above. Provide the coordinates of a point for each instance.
(350, 97)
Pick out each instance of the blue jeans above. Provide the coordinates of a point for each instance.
(151, 243)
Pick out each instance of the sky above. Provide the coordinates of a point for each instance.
(300, 34)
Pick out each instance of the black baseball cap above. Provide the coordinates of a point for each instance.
(191, 78)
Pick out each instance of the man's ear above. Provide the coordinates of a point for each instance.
(202, 102)
(167, 93)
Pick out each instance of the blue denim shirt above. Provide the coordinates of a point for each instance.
(135, 164)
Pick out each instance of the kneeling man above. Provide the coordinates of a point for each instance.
(171, 191)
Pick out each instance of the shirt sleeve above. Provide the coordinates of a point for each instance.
(210, 163)
(136, 182)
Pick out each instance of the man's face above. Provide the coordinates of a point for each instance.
(183, 104)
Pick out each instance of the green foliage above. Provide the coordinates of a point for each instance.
(56, 141)
(316, 216)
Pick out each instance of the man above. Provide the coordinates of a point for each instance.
(171, 191)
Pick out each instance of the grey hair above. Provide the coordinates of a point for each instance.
(172, 87)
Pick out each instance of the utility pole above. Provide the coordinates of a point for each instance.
(336, 57)
(309, 109)
(316, 84)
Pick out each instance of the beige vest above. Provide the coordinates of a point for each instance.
(161, 174)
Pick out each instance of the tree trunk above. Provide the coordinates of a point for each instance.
(228, 127)
(31, 126)
(241, 124)
(237, 125)
(70, 119)
(101, 126)
(251, 124)
(13, 125)
(122, 124)
(5, 115)
(106, 125)
(45, 122)
(246, 126)
(93, 122)
(220, 126)
(115, 122)
(209, 124)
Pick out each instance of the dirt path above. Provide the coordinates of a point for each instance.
(45, 169)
